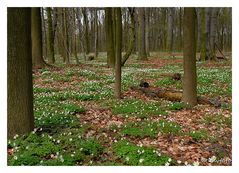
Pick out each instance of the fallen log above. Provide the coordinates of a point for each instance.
(173, 95)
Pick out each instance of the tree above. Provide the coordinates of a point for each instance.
(96, 32)
(50, 38)
(36, 36)
(189, 58)
(87, 42)
(109, 37)
(19, 72)
(118, 47)
(141, 35)
(203, 35)
(170, 30)
(213, 25)
(147, 11)
(132, 36)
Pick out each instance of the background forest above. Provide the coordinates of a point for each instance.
(119, 86)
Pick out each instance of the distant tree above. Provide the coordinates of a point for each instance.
(203, 35)
(50, 37)
(36, 35)
(170, 30)
(96, 32)
(141, 35)
(147, 26)
(189, 58)
(86, 29)
(20, 118)
(118, 48)
(131, 36)
(109, 37)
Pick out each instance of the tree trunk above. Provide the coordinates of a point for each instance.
(19, 72)
(96, 33)
(189, 58)
(109, 38)
(212, 50)
(203, 35)
(170, 30)
(118, 48)
(36, 36)
(141, 35)
(132, 37)
(147, 11)
(66, 38)
(50, 40)
(87, 43)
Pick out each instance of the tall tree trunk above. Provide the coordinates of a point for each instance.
(87, 42)
(147, 12)
(132, 37)
(213, 33)
(96, 32)
(65, 36)
(36, 36)
(109, 38)
(170, 30)
(50, 40)
(20, 118)
(141, 35)
(118, 48)
(203, 35)
(44, 34)
(189, 58)
(180, 29)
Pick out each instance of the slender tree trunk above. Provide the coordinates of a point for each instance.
(170, 30)
(50, 40)
(66, 37)
(44, 35)
(96, 33)
(213, 33)
(141, 35)
(36, 36)
(189, 58)
(118, 48)
(19, 72)
(147, 12)
(87, 43)
(132, 37)
(203, 35)
(180, 29)
(109, 38)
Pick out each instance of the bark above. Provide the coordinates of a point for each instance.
(147, 11)
(36, 37)
(203, 35)
(66, 36)
(174, 95)
(96, 33)
(212, 50)
(132, 37)
(86, 34)
(189, 58)
(170, 30)
(109, 38)
(20, 118)
(50, 38)
(118, 48)
(141, 35)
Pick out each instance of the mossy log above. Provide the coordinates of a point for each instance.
(173, 95)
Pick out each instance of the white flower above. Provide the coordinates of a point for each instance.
(72, 155)
(70, 139)
(169, 160)
(58, 141)
(141, 160)
(179, 161)
(91, 162)
(15, 157)
(127, 159)
(196, 163)
(167, 164)
(61, 158)
(186, 163)
(16, 136)
(79, 136)
(212, 159)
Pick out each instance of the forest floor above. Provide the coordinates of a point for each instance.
(78, 121)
